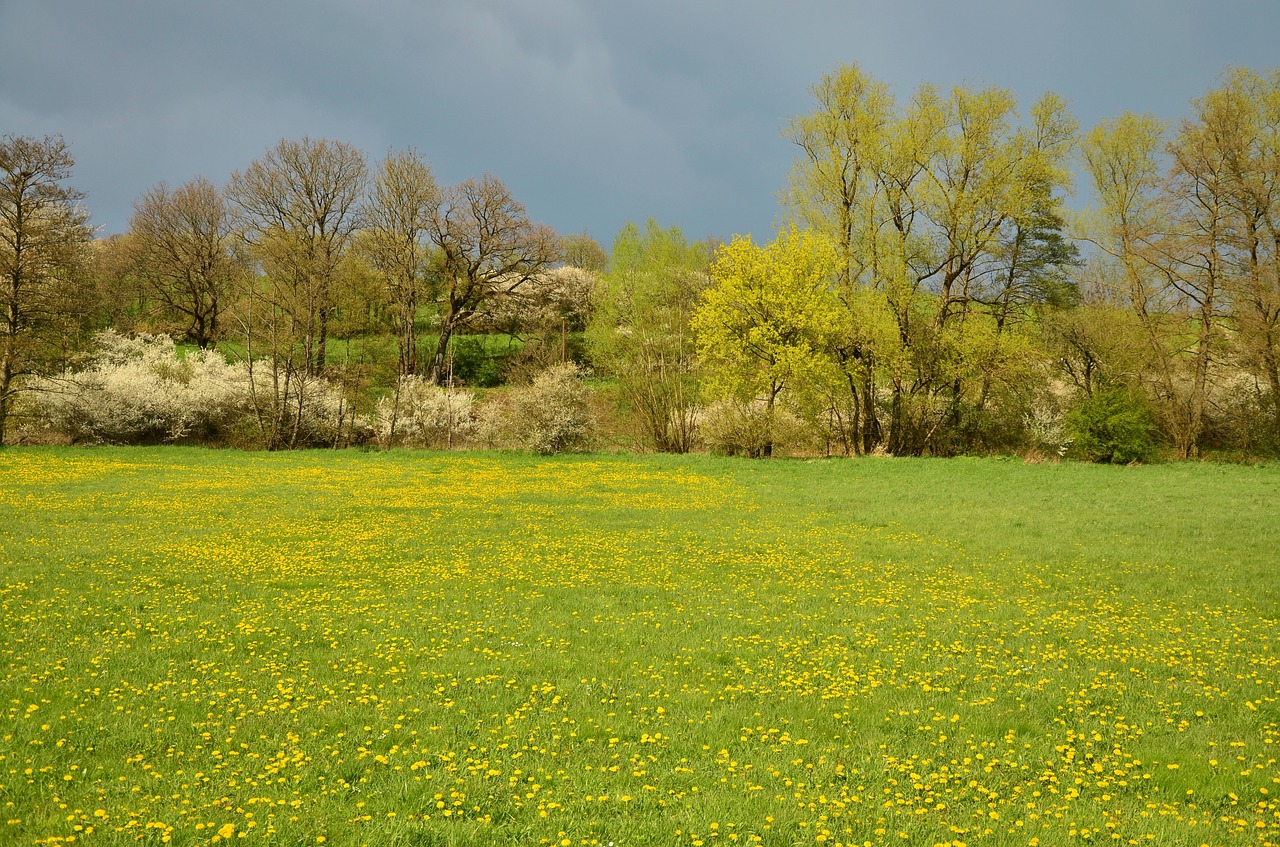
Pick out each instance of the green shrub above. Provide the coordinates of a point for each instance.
(1113, 425)
(475, 364)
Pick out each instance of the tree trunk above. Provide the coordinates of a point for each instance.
(897, 423)
(871, 430)
(317, 369)
(440, 361)
(8, 362)
(408, 337)
(6, 380)
(855, 422)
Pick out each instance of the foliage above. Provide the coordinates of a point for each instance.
(1192, 219)
(143, 390)
(1096, 345)
(476, 362)
(551, 415)
(1114, 425)
(1241, 422)
(297, 208)
(949, 211)
(767, 323)
(139, 390)
(487, 251)
(395, 240)
(581, 251)
(547, 314)
(732, 427)
(1046, 427)
(422, 414)
(639, 330)
(948, 302)
(293, 405)
(180, 246)
(292, 409)
(43, 233)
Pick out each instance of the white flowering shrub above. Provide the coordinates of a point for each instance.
(290, 409)
(425, 415)
(138, 390)
(1047, 429)
(553, 415)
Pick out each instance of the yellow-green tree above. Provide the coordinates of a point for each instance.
(949, 207)
(1236, 129)
(1192, 222)
(639, 328)
(1164, 223)
(837, 185)
(840, 173)
(766, 325)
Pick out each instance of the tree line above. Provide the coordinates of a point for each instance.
(929, 293)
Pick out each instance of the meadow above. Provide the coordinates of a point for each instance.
(402, 648)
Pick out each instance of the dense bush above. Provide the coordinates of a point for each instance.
(424, 415)
(1113, 425)
(140, 390)
(1046, 428)
(143, 390)
(475, 364)
(734, 428)
(1241, 417)
(552, 415)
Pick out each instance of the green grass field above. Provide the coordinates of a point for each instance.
(431, 649)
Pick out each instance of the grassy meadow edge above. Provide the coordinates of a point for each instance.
(483, 648)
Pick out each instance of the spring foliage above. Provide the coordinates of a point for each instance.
(640, 331)
(927, 294)
(423, 414)
(550, 415)
(140, 390)
(765, 328)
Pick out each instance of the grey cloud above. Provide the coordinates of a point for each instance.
(594, 113)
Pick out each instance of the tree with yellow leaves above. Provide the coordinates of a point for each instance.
(765, 327)
(948, 208)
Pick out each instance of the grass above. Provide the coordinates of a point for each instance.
(433, 649)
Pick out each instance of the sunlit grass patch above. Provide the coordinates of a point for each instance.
(484, 649)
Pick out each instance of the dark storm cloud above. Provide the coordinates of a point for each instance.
(594, 113)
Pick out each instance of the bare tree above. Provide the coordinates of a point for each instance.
(296, 206)
(580, 250)
(43, 234)
(488, 250)
(182, 249)
(396, 241)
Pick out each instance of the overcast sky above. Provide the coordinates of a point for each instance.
(593, 112)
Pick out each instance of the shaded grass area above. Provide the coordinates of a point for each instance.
(419, 648)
